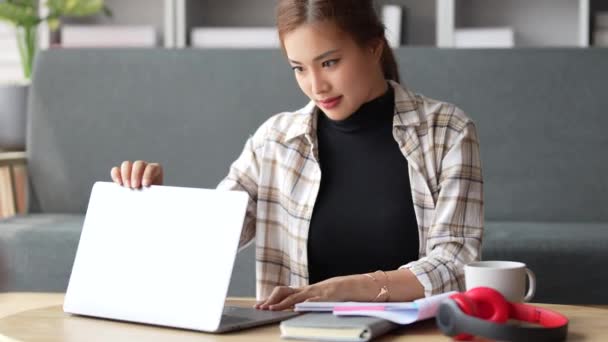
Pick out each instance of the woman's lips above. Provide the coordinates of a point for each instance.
(331, 102)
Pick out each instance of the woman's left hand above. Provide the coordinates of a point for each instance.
(337, 289)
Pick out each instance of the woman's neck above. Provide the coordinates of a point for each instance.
(380, 88)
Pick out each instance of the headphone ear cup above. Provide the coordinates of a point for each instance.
(467, 306)
(489, 304)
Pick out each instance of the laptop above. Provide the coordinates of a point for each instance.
(163, 256)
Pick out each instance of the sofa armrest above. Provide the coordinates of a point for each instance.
(10, 160)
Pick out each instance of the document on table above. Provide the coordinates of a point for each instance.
(397, 312)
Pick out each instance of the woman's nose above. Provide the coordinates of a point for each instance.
(319, 84)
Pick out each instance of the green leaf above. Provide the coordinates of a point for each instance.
(31, 3)
(26, 40)
(75, 8)
(53, 23)
(55, 5)
(82, 8)
(19, 15)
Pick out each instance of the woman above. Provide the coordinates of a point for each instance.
(370, 192)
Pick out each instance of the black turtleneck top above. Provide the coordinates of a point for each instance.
(363, 219)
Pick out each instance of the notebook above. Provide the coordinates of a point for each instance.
(325, 326)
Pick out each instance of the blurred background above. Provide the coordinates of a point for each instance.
(245, 24)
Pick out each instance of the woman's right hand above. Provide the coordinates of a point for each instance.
(138, 173)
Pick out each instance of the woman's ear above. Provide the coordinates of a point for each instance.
(377, 47)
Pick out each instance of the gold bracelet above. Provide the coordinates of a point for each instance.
(383, 289)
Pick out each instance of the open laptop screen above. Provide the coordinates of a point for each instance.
(159, 255)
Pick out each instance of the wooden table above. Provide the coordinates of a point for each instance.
(39, 317)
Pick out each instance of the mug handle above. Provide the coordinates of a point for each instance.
(531, 285)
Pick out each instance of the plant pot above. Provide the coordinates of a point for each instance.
(13, 113)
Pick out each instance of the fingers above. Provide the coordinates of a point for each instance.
(315, 299)
(152, 175)
(134, 175)
(115, 174)
(278, 294)
(292, 300)
(137, 172)
(125, 173)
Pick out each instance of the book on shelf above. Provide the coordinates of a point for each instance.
(83, 36)
(392, 18)
(600, 31)
(6, 195)
(484, 37)
(234, 37)
(7, 207)
(601, 20)
(600, 38)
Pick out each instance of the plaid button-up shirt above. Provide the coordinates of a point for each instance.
(279, 169)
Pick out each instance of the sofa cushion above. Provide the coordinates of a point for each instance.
(541, 119)
(567, 258)
(37, 251)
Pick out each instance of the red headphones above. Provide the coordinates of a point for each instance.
(483, 311)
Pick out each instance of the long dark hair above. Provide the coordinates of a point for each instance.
(355, 17)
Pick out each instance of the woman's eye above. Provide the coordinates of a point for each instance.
(296, 68)
(330, 62)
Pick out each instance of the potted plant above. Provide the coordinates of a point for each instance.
(24, 16)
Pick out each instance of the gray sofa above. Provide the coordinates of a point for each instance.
(541, 117)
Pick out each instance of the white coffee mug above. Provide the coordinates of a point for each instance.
(507, 277)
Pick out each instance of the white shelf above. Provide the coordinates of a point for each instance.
(584, 13)
(536, 23)
(170, 8)
(181, 31)
(159, 14)
(445, 23)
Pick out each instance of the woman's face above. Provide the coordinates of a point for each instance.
(333, 70)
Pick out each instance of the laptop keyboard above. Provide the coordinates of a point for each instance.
(235, 315)
(227, 319)
(243, 315)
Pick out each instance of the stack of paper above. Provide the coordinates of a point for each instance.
(234, 37)
(83, 36)
(400, 313)
(484, 37)
(10, 61)
(356, 321)
(600, 34)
